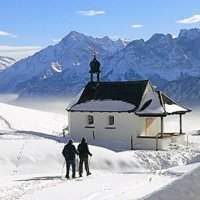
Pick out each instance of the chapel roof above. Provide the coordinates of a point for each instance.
(125, 96)
(129, 92)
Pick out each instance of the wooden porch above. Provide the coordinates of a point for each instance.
(162, 135)
(158, 143)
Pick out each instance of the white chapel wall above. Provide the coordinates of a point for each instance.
(118, 138)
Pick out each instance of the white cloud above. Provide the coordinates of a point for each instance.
(18, 52)
(137, 26)
(56, 40)
(190, 20)
(91, 13)
(3, 33)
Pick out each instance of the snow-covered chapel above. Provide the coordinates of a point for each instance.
(123, 115)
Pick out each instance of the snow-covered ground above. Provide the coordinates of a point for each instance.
(32, 167)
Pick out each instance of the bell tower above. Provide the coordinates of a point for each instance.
(95, 69)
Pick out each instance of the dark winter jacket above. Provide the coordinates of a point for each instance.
(69, 152)
(83, 150)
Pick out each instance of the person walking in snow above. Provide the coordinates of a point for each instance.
(83, 156)
(69, 152)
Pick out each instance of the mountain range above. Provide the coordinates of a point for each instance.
(172, 64)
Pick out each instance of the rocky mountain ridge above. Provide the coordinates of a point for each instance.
(168, 62)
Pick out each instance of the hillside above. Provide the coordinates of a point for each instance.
(32, 166)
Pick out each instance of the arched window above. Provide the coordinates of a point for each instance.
(90, 119)
(111, 120)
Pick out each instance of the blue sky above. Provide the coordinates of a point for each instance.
(42, 22)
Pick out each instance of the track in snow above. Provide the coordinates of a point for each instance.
(18, 188)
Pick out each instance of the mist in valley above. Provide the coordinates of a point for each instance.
(191, 120)
(47, 104)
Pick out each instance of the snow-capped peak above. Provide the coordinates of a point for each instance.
(5, 62)
(75, 35)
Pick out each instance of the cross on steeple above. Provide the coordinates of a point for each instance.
(94, 52)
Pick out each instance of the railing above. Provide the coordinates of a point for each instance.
(163, 135)
(160, 136)
(157, 137)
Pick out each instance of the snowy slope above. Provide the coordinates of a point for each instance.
(31, 164)
(19, 118)
(185, 187)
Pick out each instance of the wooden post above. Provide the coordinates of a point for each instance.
(93, 134)
(187, 144)
(131, 142)
(64, 133)
(181, 131)
(162, 127)
(157, 138)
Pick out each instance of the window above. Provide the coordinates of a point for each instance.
(111, 120)
(90, 120)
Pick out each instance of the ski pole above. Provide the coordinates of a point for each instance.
(89, 161)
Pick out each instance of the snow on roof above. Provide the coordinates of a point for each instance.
(104, 105)
(75, 99)
(157, 103)
(174, 108)
(150, 104)
(126, 91)
(125, 96)
(171, 107)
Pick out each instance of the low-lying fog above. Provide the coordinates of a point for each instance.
(51, 104)
(191, 121)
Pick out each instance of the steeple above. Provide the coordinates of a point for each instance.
(94, 68)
